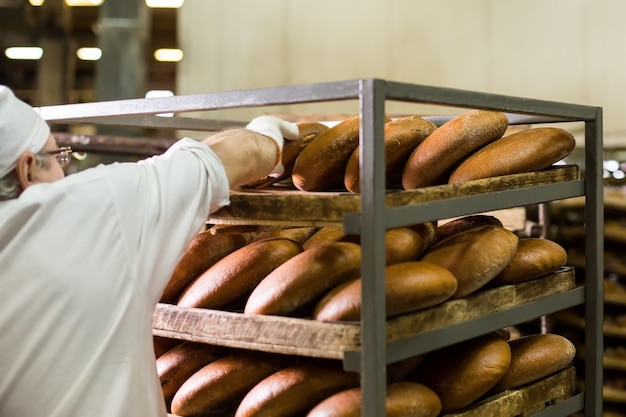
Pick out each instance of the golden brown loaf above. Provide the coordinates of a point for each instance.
(533, 258)
(294, 390)
(180, 362)
(304, 278)
(222, 383)
(435, 157)
(404, 399)
(525, 151)
(401, 137)
(235, 276)
(409, 286)
(534, 357)
(297, 234)
(204, 250)
(464, 223)
(474, 256)
(462, 373)
(325, 235)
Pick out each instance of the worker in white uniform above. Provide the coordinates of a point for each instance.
(84, 259)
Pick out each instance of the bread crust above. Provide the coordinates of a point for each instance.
(295, 389)
(460, 374)
(236, 275)
(222, 383)
(402, 135)
(534, 357)
(464, 223)
(304, 278)
(474, 256)
(524, 151)
(404, 399)
(409, 286)
(534, 257)
(435, 157)
(204, 250)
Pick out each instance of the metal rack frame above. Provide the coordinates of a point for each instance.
(375, 218)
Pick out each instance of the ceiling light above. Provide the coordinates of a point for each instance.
(168, 55)
(84, 2)
(170, 4)
(24, 52)
(36, 3)
(89, 54)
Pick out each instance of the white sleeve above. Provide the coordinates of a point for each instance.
(162, 202)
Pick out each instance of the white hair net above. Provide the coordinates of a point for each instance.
(21, 129)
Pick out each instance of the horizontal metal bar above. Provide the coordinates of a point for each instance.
(308, 93)
(158, 122)
(456, 333)
(479, 100)
(566, 407)
(453, 207)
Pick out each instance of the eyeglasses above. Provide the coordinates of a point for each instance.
(62, 155)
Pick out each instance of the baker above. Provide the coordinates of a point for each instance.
(84, 259)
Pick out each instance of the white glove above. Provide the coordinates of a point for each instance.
(278, 130)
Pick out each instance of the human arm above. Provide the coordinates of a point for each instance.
(254, 152)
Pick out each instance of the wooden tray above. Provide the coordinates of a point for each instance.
(571, 318)
(289, 206)
(306, 337)
(526, 400)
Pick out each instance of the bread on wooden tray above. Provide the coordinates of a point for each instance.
(437, 155)
(295, 389)
(403, 399)
(529, 150)
(237, 274)
(474, 256)
(401, 136)
(221, 384)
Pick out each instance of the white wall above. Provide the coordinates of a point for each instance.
(563, 50)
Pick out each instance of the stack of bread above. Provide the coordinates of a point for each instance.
(568, 219)
(314, 273)
(418, 153)
(202, 381)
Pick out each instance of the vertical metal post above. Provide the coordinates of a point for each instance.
(373, 314)
(594, 266)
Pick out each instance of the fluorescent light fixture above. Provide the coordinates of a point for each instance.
(161, 93)
(24, 52)
(169, 4)
(36, 3)
(168, 55)
(89, 54)
(84, 2)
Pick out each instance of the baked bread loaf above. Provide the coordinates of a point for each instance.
(534, 357)
(221, 384)
(464, 223)
(180, 362)
(301, 280)
(322, 164)
(460, 374)
(291, 149)
(409, 286)
(435, 157)
(402, 135)
(204, 250)
(298, 234)
(533, 258)
(325, 235)
(525, 151)
(163, 344)
(294, 390)
(233, 277)
(404, 399)
(474, 256)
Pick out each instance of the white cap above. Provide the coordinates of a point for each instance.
(21, 129)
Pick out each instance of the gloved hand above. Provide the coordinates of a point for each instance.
(278, 130)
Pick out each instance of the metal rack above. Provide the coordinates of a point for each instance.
(374, 217)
